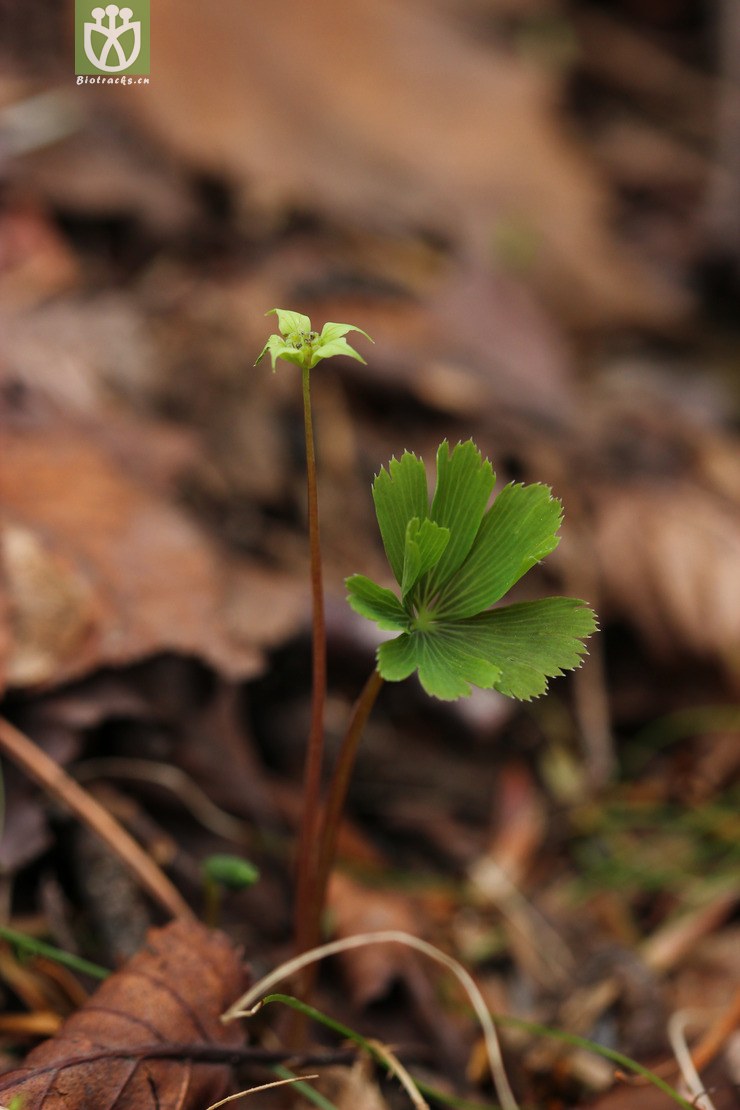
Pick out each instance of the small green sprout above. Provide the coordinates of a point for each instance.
(224, 872)
(297, 343)
(453, 560)
(232, 872)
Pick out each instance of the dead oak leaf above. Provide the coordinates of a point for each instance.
(100, 569)
(169, 994)
(371, 971)
(669, 556)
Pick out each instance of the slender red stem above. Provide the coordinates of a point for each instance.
(337, 794)
(308, 836)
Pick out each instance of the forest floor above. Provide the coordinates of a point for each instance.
(533, 209)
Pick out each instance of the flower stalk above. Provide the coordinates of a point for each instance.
(299, 344)
(307, 860)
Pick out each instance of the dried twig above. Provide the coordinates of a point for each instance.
(55, 780)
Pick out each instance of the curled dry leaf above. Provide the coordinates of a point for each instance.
(37, 263)
(353, 1088)
(371, 971)
(170, 994)
(669, 555)
(355, 909)
(52, 607)
(98, 568)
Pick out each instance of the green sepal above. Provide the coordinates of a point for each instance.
(400, 494)
(376, 603)
(517, 532)
(332, 331)
(424, 543)
(334, 347)
(289, 321)
(332, 342)
(303, 347)
(278, 348)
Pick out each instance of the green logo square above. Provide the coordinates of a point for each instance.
(111, 40)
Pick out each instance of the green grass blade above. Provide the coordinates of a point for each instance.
(624, 1062)
(309, 1093)
(40, 948)
(351, 1035)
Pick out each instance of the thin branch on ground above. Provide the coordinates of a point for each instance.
(55, 780)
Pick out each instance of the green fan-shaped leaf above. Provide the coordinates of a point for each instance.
(530, 642)
(397, 658)
(518, 530)
(376, 603)
(448, 668)
(464, 485)
(400, 493)
(453, 561)
(425, 542)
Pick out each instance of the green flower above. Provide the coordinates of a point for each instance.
(453, 560)
(299, 344)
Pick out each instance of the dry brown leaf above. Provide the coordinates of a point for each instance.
(497, 877)
(520, 818)
(35, 262)
(372, 970)
(101, 569)
(169, 994)
(386, 114)
(355, 909)
(469, 342)
(26, 832)
(52, 608)
(73, 350)
(106, 173)
(669, 555)
(352, 1088)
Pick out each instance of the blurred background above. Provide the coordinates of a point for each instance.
(533, 207)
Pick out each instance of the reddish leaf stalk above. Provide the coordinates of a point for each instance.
(305, 905)
(338, 791)
(328, 832)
